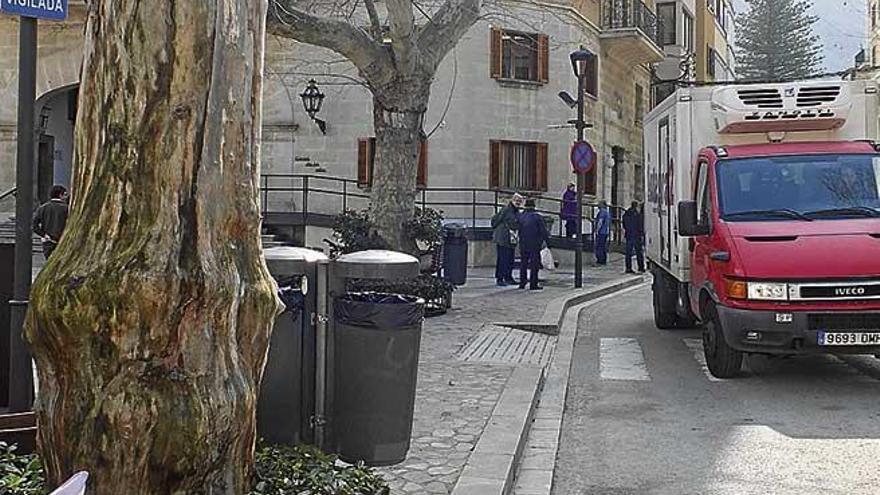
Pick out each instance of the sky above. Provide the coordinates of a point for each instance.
(841, 27)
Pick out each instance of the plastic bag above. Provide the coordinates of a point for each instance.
(547, 259)
(379, 310)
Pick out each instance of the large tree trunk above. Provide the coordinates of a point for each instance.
(399, 135)
(150, 323)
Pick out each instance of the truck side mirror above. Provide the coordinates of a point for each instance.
(687, 220)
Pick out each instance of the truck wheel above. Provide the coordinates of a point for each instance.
(664, 319)
(722, 360)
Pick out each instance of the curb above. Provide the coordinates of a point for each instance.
(491, 467)
(554, 313)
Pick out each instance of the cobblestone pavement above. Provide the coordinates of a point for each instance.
(454, 399)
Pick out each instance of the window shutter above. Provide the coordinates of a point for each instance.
(365, 159)
(541, 167)
(543, 58)
(495, 49)
(422, 175)
(494, 164)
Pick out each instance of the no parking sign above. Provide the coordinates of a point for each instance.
(583, 157)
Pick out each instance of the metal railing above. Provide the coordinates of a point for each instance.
(623, 14)
(473, 207)
(7, 195)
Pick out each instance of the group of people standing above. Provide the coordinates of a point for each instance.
(518, 224)
(634, 233)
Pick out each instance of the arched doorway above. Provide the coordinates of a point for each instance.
(56, 115)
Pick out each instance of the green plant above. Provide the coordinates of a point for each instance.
(434, 290)
(304, 469)
(356, 231)
(426, 228)
(20, 474)
(279, 471)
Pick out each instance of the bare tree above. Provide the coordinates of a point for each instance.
(398, 58)
(150, 323)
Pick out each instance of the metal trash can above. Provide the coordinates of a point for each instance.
(455, 254)
(377, 338)
(287, 393)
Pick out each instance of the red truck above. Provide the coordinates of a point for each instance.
(762, 218)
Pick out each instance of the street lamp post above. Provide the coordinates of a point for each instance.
(313, 99)
(579, 60)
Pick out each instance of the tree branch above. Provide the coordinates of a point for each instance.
(402, 23)
(446, 28)
(369, 56)
(374, 19)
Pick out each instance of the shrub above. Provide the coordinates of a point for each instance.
(20, 474)
(303, 469)
(434, 290)
(356, 231)
(279, 471)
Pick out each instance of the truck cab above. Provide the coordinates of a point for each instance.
(774, 243)
(785, 249)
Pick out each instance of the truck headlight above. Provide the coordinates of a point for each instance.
(768, 291)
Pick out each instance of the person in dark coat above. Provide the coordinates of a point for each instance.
(50, 219)
(569, 211)
(505, 225)
(634, 227)
(602, 229)
(533, 235)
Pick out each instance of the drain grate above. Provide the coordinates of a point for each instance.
(495, 344)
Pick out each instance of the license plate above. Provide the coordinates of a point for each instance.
(849, 338)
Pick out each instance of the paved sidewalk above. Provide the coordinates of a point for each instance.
(454, 398)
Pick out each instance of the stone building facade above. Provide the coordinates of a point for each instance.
(496, 91)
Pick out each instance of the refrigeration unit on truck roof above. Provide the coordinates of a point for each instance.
(794, 107)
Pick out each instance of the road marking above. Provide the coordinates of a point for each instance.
(696, 346)
(622, 359)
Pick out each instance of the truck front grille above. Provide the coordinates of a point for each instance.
(835, 291)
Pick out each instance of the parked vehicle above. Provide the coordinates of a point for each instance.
(762, 218)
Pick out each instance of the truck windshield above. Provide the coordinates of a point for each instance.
(799, 187)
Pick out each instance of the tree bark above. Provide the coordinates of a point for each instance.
(399, 134)
(150, 323)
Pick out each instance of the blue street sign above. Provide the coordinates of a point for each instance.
(583, 157)
(55, 10)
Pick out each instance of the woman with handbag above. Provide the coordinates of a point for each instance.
(505, 233)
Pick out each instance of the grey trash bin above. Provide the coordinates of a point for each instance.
(377, 338)
(455, 254)
(287, 392)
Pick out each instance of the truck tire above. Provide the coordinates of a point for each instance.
(664, 319)
(722, 360)
(665, 316)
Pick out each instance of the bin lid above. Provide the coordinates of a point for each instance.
(284, 261)
(294, 253)
(378, 264)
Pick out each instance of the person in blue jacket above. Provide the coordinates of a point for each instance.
(602, 229)
(634, 227)
(533, 235)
